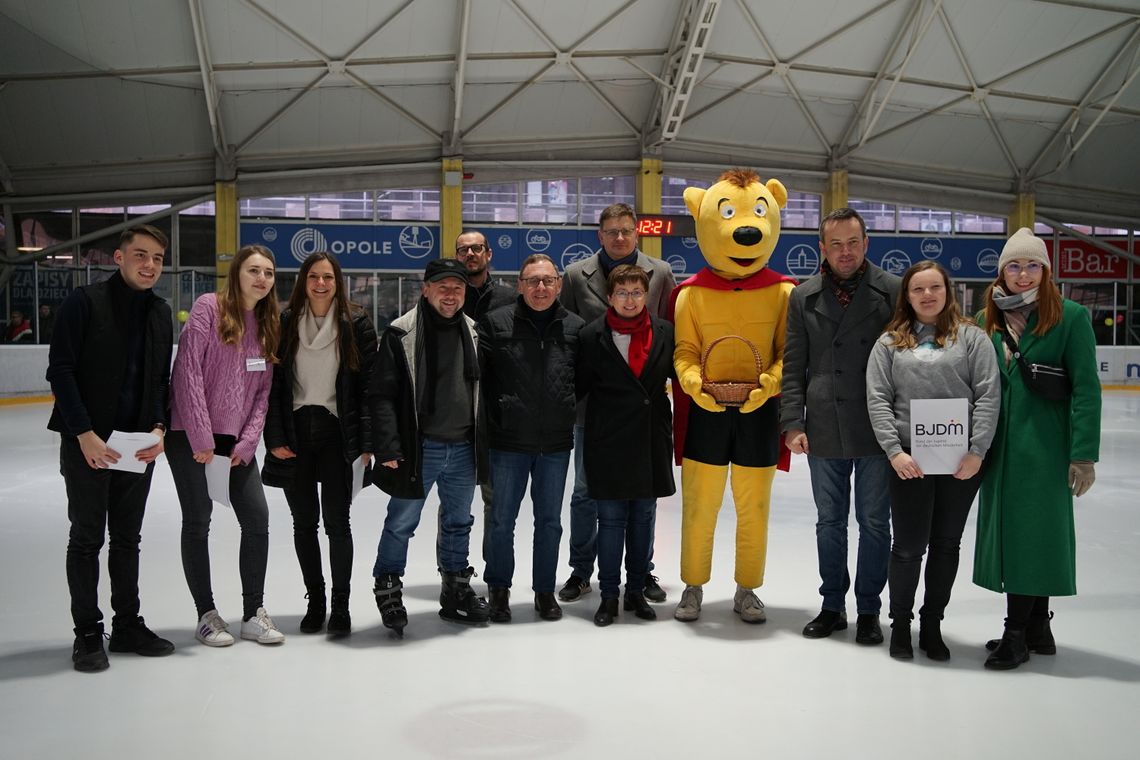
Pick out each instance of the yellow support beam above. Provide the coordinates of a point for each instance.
(835, 196)
(225, 229)
(450, 204)
(648, 200)
(1024, 212)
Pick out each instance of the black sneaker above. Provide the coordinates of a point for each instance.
(653, 590)
(87, 653)
(574, 589)
(134, 636)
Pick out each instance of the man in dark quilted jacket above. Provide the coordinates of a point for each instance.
(527, 352)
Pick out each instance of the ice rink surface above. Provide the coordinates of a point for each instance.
(717, 688)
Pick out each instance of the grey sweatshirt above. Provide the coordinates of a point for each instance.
(966, 368)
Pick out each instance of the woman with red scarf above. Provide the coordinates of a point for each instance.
(625, 359)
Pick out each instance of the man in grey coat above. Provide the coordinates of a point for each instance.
(834, 319)
(584, 294)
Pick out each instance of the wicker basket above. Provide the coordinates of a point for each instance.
(730, 392)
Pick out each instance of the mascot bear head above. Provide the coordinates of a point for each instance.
(738, 221)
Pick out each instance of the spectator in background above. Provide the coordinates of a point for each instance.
(19, 328)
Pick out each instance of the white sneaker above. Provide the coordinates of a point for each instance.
(212, 630)
(689, 608)
(748, 606)
(262, 629)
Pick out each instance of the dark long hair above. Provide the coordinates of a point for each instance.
(299, 302)
(945, 327)
(231, 322)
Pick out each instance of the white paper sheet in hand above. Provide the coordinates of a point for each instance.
(128, 446)
(357, 477)
(218, 479)
(939, 434)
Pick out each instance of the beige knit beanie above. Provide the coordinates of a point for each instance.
(1023, 244)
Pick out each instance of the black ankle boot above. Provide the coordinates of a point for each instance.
(1010, 653)
(314, 618)
(500, 604)
(340, 621)
(1039, 635)
(930, 639)
(607, 612)
(901, 648)
(636, 604)
(87, 654)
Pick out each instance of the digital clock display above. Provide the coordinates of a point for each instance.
(666, 225)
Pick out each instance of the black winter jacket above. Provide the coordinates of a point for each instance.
(528, 379)
(88, 359)
(352, 411)
(395, 422)
(629, 421)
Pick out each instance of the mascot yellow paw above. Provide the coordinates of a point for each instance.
(757, 398)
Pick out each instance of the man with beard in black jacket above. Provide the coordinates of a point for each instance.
(527, 353)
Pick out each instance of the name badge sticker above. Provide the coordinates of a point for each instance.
(255, 364)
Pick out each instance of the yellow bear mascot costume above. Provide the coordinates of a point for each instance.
(738, 223)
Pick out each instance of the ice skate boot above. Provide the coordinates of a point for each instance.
(390, 602)
(458, 603)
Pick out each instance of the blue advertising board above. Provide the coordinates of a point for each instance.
(797, 254)
(409, 248)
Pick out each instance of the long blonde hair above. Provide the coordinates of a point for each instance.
(945, 327)
(231, 322)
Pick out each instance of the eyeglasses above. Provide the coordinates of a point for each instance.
(534, 282)
(635, 295)
(463, 250)
(619, 232)
(1032, 268)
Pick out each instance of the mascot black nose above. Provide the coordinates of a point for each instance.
(747, 235)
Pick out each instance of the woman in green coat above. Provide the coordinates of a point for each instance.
(1042, 454)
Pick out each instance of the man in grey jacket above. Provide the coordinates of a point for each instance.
(584, 293)
(834, 319)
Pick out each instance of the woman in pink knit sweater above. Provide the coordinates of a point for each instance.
(219, 394)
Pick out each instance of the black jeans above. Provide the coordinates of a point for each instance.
(929, 511)
(101, 503)
(320, 459)
(248, 499)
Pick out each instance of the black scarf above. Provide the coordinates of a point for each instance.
(429, 324)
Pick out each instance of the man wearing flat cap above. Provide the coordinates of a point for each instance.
(424, 398)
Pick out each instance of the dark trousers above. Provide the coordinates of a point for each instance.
(320, 459)
(102, 503)
(628, 523)
(1021, 608)
(927, 512)
(248, 500)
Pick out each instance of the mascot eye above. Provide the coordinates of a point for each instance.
(727, 211)
(761, 209)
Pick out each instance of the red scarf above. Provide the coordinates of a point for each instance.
(640, 332)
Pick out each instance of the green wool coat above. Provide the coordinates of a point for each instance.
(1026, 542)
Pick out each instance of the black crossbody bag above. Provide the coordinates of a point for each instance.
(1046, 380)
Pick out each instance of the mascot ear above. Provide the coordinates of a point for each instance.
(693, 197)
(777, 189)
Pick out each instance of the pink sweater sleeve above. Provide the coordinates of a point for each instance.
(188, 378)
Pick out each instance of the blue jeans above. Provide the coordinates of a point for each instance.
(510, 471)
(831, 487)
(584, 516)
(627, 522)
(451, 466)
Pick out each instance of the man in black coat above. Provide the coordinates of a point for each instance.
(834, 319)
(424, 396)
(527, 354)
(109, 369)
